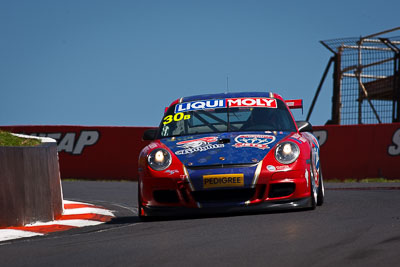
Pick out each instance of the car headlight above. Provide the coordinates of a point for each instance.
(159, 159)
(287, 152)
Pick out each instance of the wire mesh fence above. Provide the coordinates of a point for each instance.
(368, 77)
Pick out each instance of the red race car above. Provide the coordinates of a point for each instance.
(229, 152)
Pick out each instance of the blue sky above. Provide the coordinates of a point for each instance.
(121, 62)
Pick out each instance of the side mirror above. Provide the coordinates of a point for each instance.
(304, 126)
(150, 134)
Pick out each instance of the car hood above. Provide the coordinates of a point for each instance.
(223, 148)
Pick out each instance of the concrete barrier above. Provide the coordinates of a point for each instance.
(93, 152)
(30, 185)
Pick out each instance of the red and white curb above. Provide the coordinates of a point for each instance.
(76, 214)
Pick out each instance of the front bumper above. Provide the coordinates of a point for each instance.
(168, 196)
(290, 204)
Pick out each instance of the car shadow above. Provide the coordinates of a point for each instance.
(124, 220)
(180, 217)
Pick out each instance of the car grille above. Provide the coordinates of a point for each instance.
(224, 195)
(166, 196)
(281, 190)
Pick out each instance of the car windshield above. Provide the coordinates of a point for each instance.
(220, 115)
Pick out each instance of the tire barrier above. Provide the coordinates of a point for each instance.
(111, 153)
(30, 185)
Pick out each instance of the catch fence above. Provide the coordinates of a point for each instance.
(366, 79)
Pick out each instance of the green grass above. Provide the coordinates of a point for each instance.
(368, 180)
(365, 180)
(95, 180)
(379, 180)
(7, 139)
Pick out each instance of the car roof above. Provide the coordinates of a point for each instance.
(230, 95)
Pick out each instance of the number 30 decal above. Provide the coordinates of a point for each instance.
(177, 117)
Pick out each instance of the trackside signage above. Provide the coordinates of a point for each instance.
(91, 152)
(72, 143)
(359, 151)
(227, 102)
(394, 148)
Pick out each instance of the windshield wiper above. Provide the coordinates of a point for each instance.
(227, 123)
(205, 122)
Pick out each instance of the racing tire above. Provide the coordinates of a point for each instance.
(140, 211)
(312, 196)
(321, 190)
(313, 189)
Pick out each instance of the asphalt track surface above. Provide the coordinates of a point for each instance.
(358, 225)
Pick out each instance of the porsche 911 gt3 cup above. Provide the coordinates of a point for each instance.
(229, 152)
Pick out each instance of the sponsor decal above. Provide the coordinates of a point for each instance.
(271, 168)
(300, 138)
(177, 117)
(315, 148)
(316, 157)
(222, 103)
(171, 172)
(197, 145)
(223, 180)
(197, 142)
(394, 149)
(149, 147)
(254, 140)
(72, 143)
(282, 168)
(152, 145)
(201, 104)
(252, 102)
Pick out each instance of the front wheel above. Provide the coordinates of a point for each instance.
(140, 209)
(321, 190)
(313, 195)
(313, 189)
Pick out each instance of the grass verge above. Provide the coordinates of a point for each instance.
(7, 139)
(365, 180)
